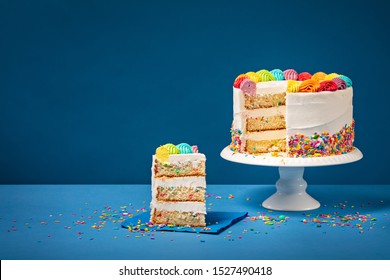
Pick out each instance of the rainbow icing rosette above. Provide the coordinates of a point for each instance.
(184, 148)
(265, 75)
(347, 80)
(278, 74)
(341, 84)
(310, 85)
(303, 82)
(248, 86)
(163, 152)
(319, 76)
(254, 77)
(293, 86)
(290, 74)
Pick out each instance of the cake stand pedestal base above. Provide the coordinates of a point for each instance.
(291, 192)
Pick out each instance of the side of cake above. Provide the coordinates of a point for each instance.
(178, 186)
(283, 113)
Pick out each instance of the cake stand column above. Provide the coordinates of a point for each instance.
(291, 192)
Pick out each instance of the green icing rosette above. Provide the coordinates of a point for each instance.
(347, 80)
(184, 148)
(172, 149)
(265, 75)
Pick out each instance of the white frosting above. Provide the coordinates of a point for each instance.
(265, 135)
(271, 87)
(306, 112)
(318, 112)
(196, 207)
(187, 181)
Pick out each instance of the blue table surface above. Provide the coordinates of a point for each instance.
(83, 222)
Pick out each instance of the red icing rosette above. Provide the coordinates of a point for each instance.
(304, 76)
(248, 86)
(328, 86)
(341, 84)
(238, 81)
(290, 74)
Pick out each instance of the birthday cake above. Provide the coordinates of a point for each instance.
(283, 113)
(178, 186)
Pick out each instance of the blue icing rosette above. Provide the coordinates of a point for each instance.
(184, 148)
(278, 74)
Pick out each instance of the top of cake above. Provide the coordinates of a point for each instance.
(292, 80)
(170, 153)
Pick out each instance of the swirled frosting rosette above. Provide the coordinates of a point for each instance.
(319, 76)
(172, 149)
(254, 77)
(304, 76)
(331, 76)
(290, 74)
(310, 85)
(278, 74)
(293, 86)
(347, 80)
(328, 86)
(239, 80)
(265, 75)
(184, 148)
(248, 87)
(341, 84)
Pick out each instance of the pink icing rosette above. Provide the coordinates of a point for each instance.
(341, 84)
(248, 87)
(194, 149)
(290, 74)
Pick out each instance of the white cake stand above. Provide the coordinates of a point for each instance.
(291, 192)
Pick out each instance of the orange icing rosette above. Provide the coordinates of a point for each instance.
(310, 85)
(319, 76)
(293, 86)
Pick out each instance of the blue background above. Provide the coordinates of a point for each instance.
(89, 89)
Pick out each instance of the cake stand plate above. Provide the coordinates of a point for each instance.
(291, 192)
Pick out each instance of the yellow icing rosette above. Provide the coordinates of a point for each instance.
(162, 154)
(293, 86)
(254, 76)
(319, 76)
(331, 76)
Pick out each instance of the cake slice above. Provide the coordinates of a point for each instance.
(178, 186)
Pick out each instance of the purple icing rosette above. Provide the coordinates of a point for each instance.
(248, 86)
(341, 84)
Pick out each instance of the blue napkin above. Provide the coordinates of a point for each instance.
(216, 222)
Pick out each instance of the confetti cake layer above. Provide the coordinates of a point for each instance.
(178, 186)
(284, 113)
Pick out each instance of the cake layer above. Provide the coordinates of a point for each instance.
(265, 146)
(172, 189)
(182, 193)
(180, 165)
(264, 100)
(178, 218)
(262, 123)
